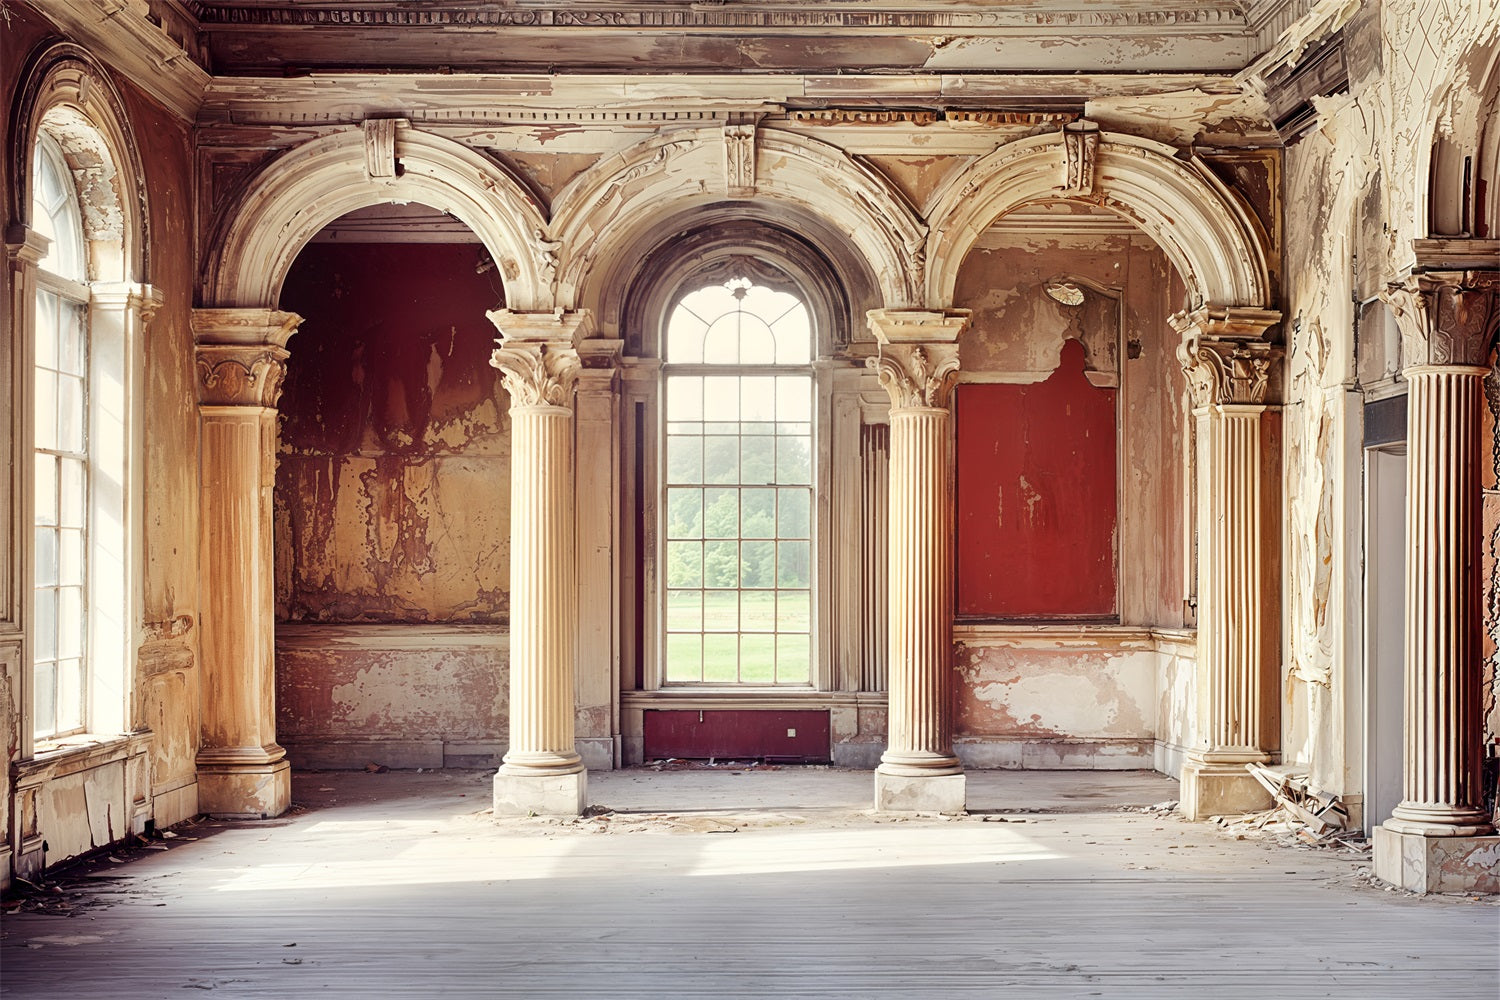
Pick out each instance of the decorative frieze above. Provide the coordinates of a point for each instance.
(1446, 317)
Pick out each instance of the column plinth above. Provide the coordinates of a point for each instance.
(918, 365)
(1440, 839)
(241, 361)
(1229, 366)
(542, 773)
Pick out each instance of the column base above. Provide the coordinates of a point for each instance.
(245, 791)
(929, 793)
(1437, 863)
(1220, 788)
(518, 793)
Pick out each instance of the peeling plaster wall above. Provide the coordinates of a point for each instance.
(392, 500)
(1354, 181)
(1071, 696)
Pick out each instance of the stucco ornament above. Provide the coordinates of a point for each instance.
(538, 374)
(1227, 356)
(917, 376)
(241, 355)
(1446, 317)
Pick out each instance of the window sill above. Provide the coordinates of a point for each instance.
(80, 752)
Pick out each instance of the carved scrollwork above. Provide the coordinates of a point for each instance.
(538, 373)
(917, 375)
(234, 375)
(739, 158)
(1221, 372)
(1081, 157)
(545, 253)
(1446, 317)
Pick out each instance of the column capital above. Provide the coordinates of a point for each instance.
(1446, 318)
(918, 326)
(569, 326)
(918, 360)
(241, 355)
(1226, 354)
(538, 354)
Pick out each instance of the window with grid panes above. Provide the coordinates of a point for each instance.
(738, 482)
(61, 454)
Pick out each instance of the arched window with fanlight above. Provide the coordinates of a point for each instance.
(738, 481)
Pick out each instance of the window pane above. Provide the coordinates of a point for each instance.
(44, 680)
(46, 557)
(757, 400)
(721, 564)
(70, 558)
(70, 622)
(793, 611)
(757, 460)
(757, 513)
(684, 610)
(793, 659)
(46, 489)
(757, 343)
(44, 619)
(794, 398)
(685, 337)
(793, 337)
(72, 340)
(793, 460)
(792, 564)
(684, 459)
(757, 564)
(757, 659)
(72, 493)
(757, 611)
(46, 409)
(721, 345)
(69, 695)
(684, 513)
(46, 329)
(793, 516)
(69, 413)
(684, 398)
(721, 398)
(720, 658)
(684, 658)
(684, 564)
(721, 459)
(721, 513)
(721, 612)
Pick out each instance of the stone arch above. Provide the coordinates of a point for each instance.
(614, 211)
(68, 95)
(262, 230)
(1207, 234)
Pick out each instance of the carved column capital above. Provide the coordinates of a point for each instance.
(1226, 355)
(918, 359)
(241, 355)
(1447, 318)
(538, 354)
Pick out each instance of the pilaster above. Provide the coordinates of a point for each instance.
(1440, 839)
(1230, 365)
(542, 773)
(918, 366)
(241, 361)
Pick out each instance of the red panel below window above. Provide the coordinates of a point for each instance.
(1037, 504)
(800, 735)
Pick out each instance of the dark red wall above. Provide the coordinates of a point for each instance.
(1037, 504)
(744, 734)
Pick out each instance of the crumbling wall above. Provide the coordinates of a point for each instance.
(1355, 182)
(392, 509)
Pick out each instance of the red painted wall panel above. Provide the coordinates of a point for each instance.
(732, 734)
(1037, 500)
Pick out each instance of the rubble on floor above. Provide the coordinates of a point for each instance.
(1302, 816)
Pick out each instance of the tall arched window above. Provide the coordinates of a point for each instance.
(61, 446)
(738, 477)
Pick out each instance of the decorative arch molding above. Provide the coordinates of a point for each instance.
(616, 209)
(261, 231)
(67, 93)
(1204, 230)
(1462, 129)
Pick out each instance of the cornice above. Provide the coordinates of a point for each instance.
(121, 35)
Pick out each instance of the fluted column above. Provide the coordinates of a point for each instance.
(1448, 322)
(1229, 366)
(241, 361)
(542, 773)
(918, 365)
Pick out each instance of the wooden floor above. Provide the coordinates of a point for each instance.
(720, 884)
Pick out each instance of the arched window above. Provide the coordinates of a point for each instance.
(738, 479)
(61, 445)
